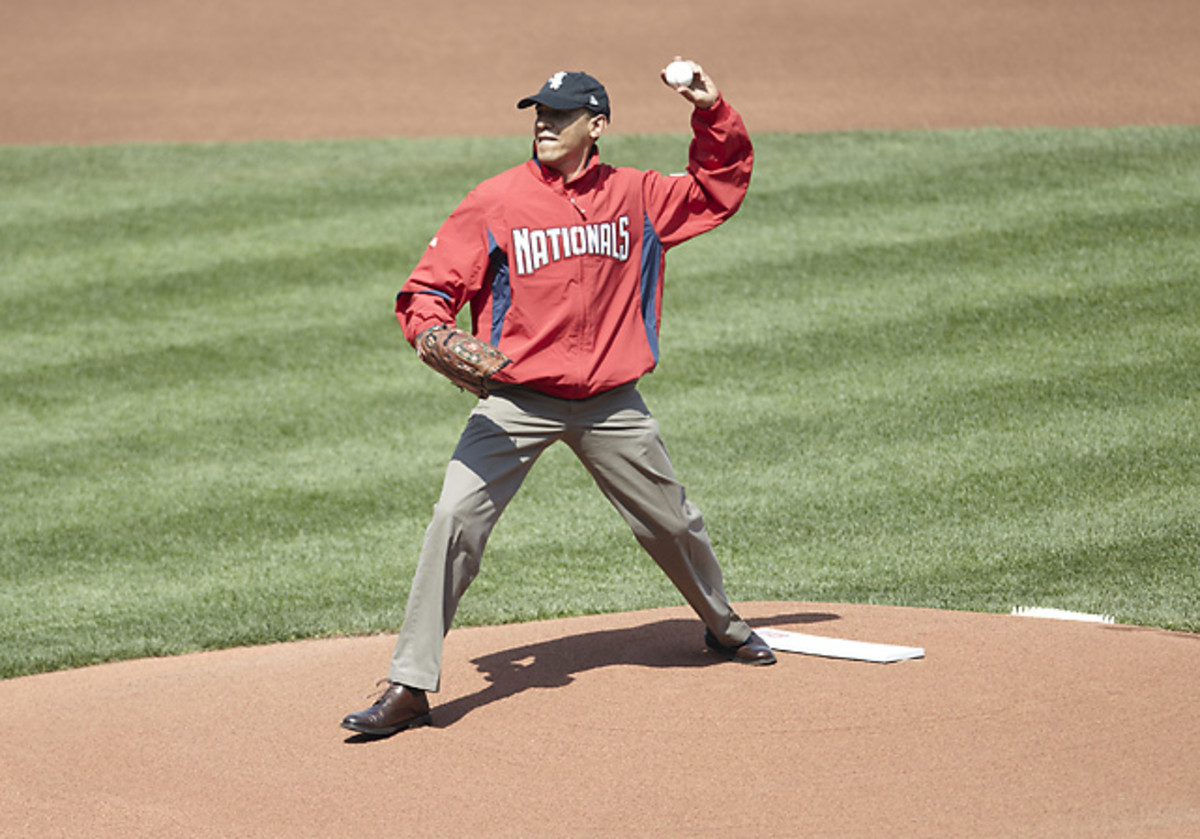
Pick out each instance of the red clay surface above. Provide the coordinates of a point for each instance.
(623, 725)
(120, 70)
(617, 725)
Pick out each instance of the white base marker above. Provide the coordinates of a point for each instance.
(1059, 614)
(798, 642)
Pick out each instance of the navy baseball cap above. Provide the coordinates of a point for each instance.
(566, 91)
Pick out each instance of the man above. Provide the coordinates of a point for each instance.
(561, 262)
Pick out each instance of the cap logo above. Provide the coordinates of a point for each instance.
(594, 102)
(556, 81)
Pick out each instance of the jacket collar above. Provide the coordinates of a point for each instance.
(552, 176)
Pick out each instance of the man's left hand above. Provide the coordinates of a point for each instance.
(702, 92)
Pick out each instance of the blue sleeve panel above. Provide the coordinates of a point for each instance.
(501, 288)
(651, 276)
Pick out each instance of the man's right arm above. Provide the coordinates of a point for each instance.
(447, 275)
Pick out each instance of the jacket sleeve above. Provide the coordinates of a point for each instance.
(720, 160)
(449, 273)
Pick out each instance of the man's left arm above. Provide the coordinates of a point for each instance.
(720, 161)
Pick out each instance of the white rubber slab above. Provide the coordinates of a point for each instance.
(782, 640)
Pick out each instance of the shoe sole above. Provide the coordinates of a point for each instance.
(415, 722)
(756, 662)
(731, 655)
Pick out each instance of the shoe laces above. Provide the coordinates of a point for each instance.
(377, 694)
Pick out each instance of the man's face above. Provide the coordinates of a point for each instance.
(563, 138)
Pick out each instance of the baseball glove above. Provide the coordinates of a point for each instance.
(461, 357)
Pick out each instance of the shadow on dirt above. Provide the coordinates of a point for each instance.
(677, 642)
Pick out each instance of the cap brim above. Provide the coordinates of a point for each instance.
(550, 100)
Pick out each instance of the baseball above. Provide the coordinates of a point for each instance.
(679, 73)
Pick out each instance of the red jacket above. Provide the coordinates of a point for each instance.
(566, 278)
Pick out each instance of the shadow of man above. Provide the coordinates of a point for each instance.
(554, 663)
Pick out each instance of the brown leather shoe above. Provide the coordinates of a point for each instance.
(753, 650)
(397, 708)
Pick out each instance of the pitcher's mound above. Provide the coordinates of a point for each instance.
(623, 725)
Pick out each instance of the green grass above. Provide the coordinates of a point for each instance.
(948, 369)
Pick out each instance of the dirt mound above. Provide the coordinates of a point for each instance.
(623, 725)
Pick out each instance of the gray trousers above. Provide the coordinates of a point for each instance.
(618, 441)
